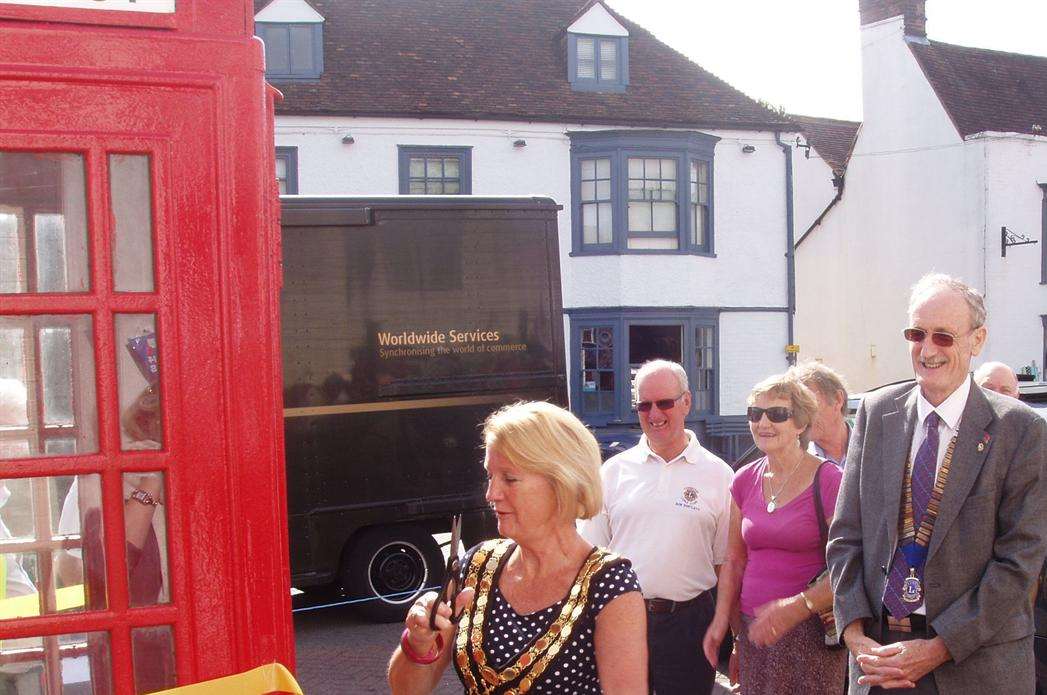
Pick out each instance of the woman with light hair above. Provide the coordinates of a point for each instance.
(776, 547)
(542, 610)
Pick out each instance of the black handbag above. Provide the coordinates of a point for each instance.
(832, 641)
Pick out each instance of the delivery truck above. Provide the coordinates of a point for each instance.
(406, 320)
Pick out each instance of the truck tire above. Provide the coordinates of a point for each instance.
(391, 566)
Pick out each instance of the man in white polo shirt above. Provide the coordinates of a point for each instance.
(667, 507)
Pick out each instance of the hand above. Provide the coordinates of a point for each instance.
(775, 618)
(713, 639)
(421, 638)
(901, 664)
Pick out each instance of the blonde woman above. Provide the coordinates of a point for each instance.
(775, 548)
(549, 612)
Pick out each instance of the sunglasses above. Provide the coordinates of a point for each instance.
(777, 414)
(939, 338)
(662, 404)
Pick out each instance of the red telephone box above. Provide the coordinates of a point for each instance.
(142, 507)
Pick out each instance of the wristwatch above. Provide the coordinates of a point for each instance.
(144, 497)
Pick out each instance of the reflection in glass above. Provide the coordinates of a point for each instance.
(43, 223)
(145, 529)
(47, 385)
(138, 376)
(71, 664)
(154, 658)
(50, 566)
(130, 189)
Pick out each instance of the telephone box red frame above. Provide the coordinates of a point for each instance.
(186, 88)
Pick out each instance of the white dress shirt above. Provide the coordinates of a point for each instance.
(670, 518)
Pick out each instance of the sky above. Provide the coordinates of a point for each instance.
(805, 55)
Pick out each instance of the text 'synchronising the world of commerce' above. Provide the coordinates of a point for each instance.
(443, 342)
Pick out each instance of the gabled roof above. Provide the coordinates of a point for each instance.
(985, 90)
(500, 59)
(833, 139)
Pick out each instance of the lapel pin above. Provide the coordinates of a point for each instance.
(984, 442)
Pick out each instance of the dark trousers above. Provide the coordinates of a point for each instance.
(924, 686)
(675, 662)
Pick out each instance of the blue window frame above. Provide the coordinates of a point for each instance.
(609, 345)
(292, 51)
(642, 192)
(435, 170)
(597, 63)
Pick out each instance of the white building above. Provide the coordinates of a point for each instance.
(675, 229)
(951, 151)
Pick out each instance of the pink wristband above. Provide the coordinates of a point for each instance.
(433, 655)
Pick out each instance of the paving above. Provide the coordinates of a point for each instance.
(337, 653)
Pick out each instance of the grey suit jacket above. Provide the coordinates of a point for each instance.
(987, 546)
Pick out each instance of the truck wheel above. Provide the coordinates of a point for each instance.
(391, 566)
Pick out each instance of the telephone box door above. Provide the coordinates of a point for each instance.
(142, 517)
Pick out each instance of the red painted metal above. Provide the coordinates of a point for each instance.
(188, 90)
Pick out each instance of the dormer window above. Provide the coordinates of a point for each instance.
(292, 32)
(597, 52)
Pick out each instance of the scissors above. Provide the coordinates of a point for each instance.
(450, 589)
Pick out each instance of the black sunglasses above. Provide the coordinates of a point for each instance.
(778, 413)
(663, 404)
(939, 338)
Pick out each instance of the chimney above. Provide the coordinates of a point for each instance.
(913, 11)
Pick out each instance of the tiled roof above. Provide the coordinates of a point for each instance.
(500, 59)
(985, 90)
(831, 138)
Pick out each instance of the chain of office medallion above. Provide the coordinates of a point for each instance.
(930, 515)
(532, 663)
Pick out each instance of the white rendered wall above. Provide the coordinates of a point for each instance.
(1015, 299)
(813, 188)
(750, 351)
(913, 203)
(749, 269)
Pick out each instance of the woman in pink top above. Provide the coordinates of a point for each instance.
(775, 549)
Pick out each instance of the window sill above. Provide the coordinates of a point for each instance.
(641, 252)
(607, 87)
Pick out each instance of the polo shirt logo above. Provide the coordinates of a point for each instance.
(689, 498)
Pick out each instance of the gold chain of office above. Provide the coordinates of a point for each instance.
(518, 677)
(922, 535)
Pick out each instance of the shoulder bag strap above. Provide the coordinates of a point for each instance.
(819, 510)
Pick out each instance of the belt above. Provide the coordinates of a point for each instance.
(664, 605)
(913, 623)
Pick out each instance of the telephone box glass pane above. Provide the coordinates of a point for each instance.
(47, 386)
(43, 223)
(131, 192)
(138, 375)
(56, 665)
(51, 545)
(145, 528)
(152, 650)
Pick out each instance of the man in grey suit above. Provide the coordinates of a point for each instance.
(939, 530)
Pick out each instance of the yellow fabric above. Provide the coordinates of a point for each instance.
(29, 605)
(271, 678)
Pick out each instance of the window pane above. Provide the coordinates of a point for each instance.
(44, 209)
(48, 361)
(588, 191)
(698, 225)
(416, 187)
(138, 378)
(152, 650)
(145, 529)
(608, 60)
(302, 51)
(586, 59)
(668, 170)
(603, 190)
(434, 168)
(604, 210)
(417, 168)
(57, 348)
(50, 253)
(589, 168)
(277, 50)
(281, 168)
(451, 187)
(434, 187)
(664, 217)
(51, 566)
(635, 168)
(640, 217)
(83, 665)
(451, 168)
(655, 243)
(603, 168)
(130, 191)
(589, 224)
